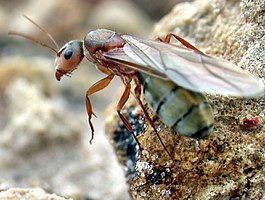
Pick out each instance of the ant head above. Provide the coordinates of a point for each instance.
(68, 58)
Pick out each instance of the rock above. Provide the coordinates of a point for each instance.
(120, 16)
(29, 130)
(40, 115)
(28, 194)
(228, 164)
(44, 141)
(43, 122)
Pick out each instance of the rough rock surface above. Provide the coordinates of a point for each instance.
(28, 194)
(43, 145)
(44, 134)
(230, 163)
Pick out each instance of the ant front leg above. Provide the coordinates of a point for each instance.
(101, 84)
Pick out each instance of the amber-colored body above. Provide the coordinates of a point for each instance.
(197, 122)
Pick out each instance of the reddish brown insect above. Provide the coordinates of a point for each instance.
(178, 75)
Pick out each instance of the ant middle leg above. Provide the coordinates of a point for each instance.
(137, 93)
(124, 98)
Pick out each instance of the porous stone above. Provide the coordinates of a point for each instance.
(229, 163)
(28, 194)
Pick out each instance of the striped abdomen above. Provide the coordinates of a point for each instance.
(187, 112)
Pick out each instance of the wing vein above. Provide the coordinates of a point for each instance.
(176, 71)
(220, 77)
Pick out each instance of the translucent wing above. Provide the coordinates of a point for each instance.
(188, 68)
(127, 57)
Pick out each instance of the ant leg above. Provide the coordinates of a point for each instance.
(99, 85)
(124, 98)
(181, 40)
(103, 69)
(137, 93)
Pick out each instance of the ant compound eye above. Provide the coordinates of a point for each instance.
(68, 54)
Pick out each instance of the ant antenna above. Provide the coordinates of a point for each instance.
(35, 40)
(42, 29)
(31, 39)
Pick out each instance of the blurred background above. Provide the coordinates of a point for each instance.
(44, 132)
